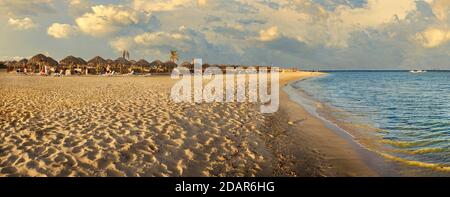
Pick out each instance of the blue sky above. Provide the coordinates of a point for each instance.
(310, 34)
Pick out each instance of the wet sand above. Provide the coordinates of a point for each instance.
(128, 126)
(306, 146)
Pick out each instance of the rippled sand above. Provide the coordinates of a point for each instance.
(123, 126)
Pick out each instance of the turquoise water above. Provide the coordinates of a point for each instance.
(412, 110)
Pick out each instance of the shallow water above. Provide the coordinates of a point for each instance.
(412, 111)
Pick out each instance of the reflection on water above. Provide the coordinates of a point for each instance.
(411, 111)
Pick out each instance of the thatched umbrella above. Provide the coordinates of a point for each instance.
(23, 62)
(156, 65)
(37, 61)
(169, 66)
(188, 65)
(71, 62)
(39, 58)
(81, 61)
(11, 65)
(110, 61)
(41, 61)
(142, 64)
(51, 62)
(97, 62)
(121, 63)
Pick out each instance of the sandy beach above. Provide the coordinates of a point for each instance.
(128, 126)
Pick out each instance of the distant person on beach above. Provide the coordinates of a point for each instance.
(42, 72)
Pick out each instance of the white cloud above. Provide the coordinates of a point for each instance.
(433, 37)
(345, 19)
(21, 24)
(157, 38)
(148, 39)
(441, 8)
(269, 34)
(122, 43)
(26, 7)
(167, 5)
(58, 30)
(77, 7)
(107, 19)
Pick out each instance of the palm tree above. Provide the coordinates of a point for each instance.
(126, 54)
(173, 56)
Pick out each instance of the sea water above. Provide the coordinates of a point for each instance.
(412, 110)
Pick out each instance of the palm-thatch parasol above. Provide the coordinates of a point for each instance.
(23, 62)
(143, 63)
(81, 61)
(71, 62)
(121, 63)
(11, 65)
(169, 66)
(37, 61)
(110, 61)
(51, 62)
(188, 65)
(97, 62)
(41, 61)
(156, 65)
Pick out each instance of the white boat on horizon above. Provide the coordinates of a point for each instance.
(417, 71)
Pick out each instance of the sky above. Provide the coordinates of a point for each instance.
(308, 34)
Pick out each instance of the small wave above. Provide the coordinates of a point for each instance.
(382, 131)
(403, 144)
(410, 144)
(434, 166)
(422, 151)
(428, 150)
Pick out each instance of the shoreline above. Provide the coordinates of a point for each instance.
(371, 159)
(307, 145)
(382, 163)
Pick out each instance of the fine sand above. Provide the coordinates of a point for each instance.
(128, 126)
